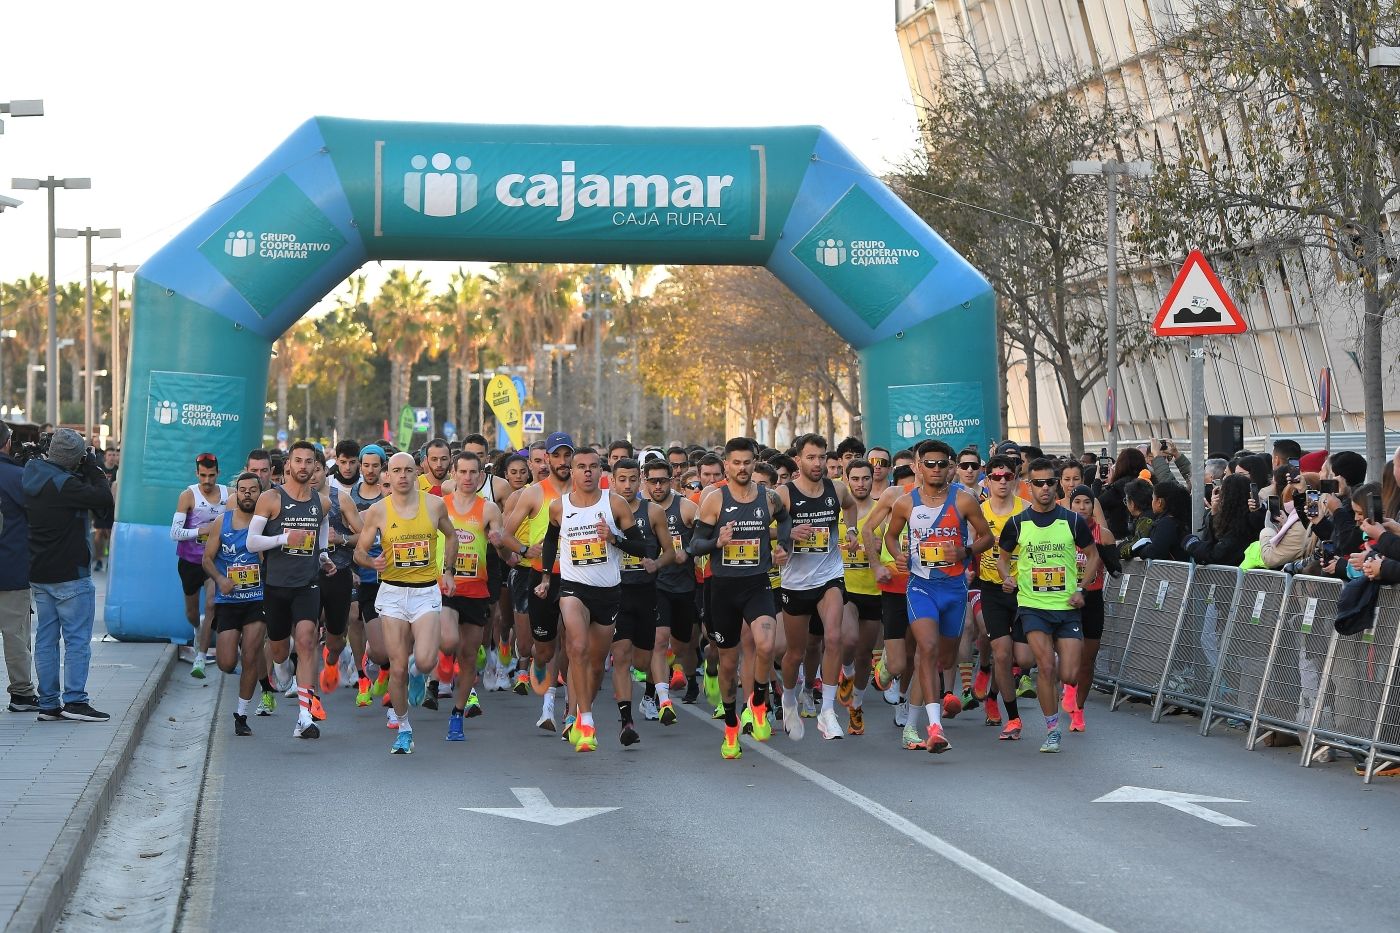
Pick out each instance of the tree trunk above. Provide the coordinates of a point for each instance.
(452, 370)
(342, 393)
(1074, 403)
(853, 393)
(464, 386)
(1372, 377)
(33, 360)
(1003, 367)
(395, 403)
(828, 403)
(1032, 384)
(282, 381)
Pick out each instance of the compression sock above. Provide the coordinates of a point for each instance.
(1009, 702)
(789, 696)
(651, 688)
(303, 705)
(731, 718)
(965, 675)
(760, 695)
(1052, 722)
(404, 724)
(243, 706)
(624, 710)
(663, 693)
(848, 670)
(586, 719)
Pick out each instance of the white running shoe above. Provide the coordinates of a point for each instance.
(901, 714)
(809, 705)
(187, 653)
(829, 726)
(649, 709)
(282, 674)
(291, 691)
(892, 692)
(792, 722)
(349, 676)
(546, 720)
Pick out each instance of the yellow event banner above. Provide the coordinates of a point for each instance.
(505, 405)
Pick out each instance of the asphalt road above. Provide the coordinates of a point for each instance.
(856, 834)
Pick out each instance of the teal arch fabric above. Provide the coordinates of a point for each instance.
(340, 192)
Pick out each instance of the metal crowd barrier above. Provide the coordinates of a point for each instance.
(1255, 649)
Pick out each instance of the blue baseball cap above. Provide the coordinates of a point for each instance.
(556, 440)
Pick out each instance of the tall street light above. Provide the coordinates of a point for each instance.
(90, 381)
(51, 184)
(118, 374)
(20, 108)
(306, 428)
(432, 419)
(1110, 170)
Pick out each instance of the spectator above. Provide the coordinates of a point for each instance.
(1215, 469)
(60, 489)
(1126, 468)
(1285, 537)
(1171, 509)
(14, 581)
(1390, 488)
(1311, 464)
(1286, 452)
(1138, 498)
(1381, 558)
(1071, 476)
(1336, 526)
(1169, 464)
(1229, 529)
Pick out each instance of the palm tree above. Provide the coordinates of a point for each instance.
(467, 321)
(348, 345)
(402, 317)
(291, 356)
(536, 303)
(26, 302)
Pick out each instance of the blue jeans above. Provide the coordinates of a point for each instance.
(65, 610)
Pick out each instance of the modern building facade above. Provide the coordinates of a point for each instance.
(1300, 315)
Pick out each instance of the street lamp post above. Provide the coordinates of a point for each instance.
(21, 108)
(1110, 170)
(51, 184)
(30, 370)
(598, 296)
(90, 382)
(432, 419)
(4, 335)
(97, 406)
(306, 428)
(118, 374)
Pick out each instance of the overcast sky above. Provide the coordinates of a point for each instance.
(165, 105)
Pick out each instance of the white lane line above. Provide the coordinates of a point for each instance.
(935, 844)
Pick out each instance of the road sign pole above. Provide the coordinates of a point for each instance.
(1111, 180)
(1198, 418)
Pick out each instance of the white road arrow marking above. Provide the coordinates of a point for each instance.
(1186, 803)
(536, 808)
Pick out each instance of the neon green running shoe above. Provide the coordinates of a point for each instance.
(639, 676)
(719, 711)
(746, 721)
(712, 688)
(267, 704)
(762, 722)
(481, 658)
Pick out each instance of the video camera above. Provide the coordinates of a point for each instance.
(27, 451)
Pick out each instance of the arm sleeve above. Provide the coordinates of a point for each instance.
(178, 531)
(323, 534)
(549, 551)
(784, 520)
(632, 542)
(257, 541)
(702, 541)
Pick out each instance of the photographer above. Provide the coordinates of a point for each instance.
(60, 489)
(15, 626)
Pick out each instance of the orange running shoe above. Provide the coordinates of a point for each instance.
(1012, 732)
(993, 715)
(586, 738)
(981, 684)
(330, 673)
(362, 696)
(318, 712)
(677, 678)
(1076, 720)
(1070, 698)
(386, 701)
(937, 742)
(447, 667)
(951, 705)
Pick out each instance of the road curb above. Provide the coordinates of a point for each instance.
(42, 905)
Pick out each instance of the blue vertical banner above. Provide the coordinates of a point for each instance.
(949, 411)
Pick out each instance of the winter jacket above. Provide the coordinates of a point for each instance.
(58, 503)
(14, 535)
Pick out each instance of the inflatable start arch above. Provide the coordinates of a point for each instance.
(339, 192)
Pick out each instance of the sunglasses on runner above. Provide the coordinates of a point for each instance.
(206, 460)
(879, 461)
(970, 465)
(1042, 483)
(1001, 477)
(658, 480)
(692, 485)
(936, 464)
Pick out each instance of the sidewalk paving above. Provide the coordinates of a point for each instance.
(57, 779)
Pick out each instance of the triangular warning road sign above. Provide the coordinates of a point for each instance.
(1197, 304)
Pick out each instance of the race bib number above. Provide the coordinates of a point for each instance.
(245, 576)
(775, 577)
(741, 552)
(300, 543)
(679, 546)
(856, 561)
(410, 554)
(933, 554)
(1048, 579)
(818, 541)
(202, 537)
(631, 562)
(587, 551)
(468, 565)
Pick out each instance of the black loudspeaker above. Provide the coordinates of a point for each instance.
(1224, 435)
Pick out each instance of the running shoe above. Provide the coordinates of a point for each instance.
(881, 674)
(639, 676)
(481, 657)
(762, 724)
(546, 720)
(845, 689)
(454, 728)
(677, 678)
(586, 738)
(348, 675)
(308, 731)
(1076, 720)
(937, 742)
(473, 705)
(1069, 698)
(539, 677)
(807, 705)
(993, 715)
(746, 721)
(522, 683)
(712, 689)
(981, 684)
(901, 713)
(1012, 732)
(197, 667)
(318, 712)
(891, 693)
(911, 739)
(719, 711)
(951, 706)
(363, 696)
(793, 724)
(417, 689)
(386, 701)
(330, 672)
(731, 748)
(1025, 688)
(649, 709)
(381, 684)
(692, 691)
(403, 744)
(969, 700)
(857, 723)
(1052, 742)
(829, 726)
(668, 714)
(267, 704)
(567, 733)
(391, 719)
(503, 654)
(240, 725)
(430, 695)
(291, 691)
(628, 735)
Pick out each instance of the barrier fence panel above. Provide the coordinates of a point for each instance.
(1292, 673)
(1385, 732)
(1244, 649)
(1194, 652)
(1120, 599)
(1354, 675)
(1159, 610)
